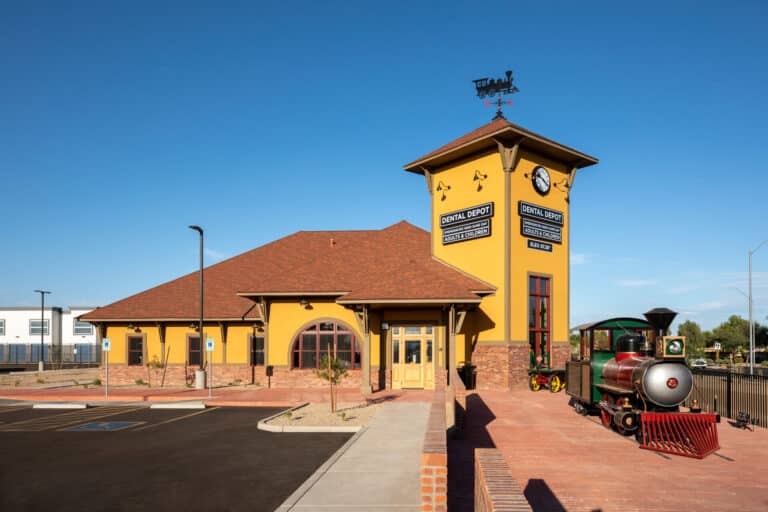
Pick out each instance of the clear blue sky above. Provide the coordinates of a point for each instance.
(123, 122)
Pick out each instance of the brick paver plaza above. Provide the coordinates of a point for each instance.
(564, 461)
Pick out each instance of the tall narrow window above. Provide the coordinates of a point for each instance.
(539, 320)
(2, 327)
(257, 350)
(194, 350)
(135, 350)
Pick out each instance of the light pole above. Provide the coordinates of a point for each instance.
(202, 352)
(751, 325)
(41, 363)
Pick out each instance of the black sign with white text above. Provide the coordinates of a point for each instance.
(467, 224)
(482, 211)
(541, 246)
(540, 230)
(535, 211)
(467, 231)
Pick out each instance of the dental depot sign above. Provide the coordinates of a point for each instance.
(467, 224)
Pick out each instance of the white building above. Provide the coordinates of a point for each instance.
(20, 334)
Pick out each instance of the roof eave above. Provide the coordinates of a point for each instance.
(528, 140)
(410, 301)
(291, 294)
(190, 319)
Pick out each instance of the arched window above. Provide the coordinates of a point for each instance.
(318, 339)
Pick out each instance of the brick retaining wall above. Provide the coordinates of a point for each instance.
(229, 374)
(495, 489)
(502, 366)
(434, 459)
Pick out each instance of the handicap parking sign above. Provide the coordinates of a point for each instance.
(105, 344)
(209, 344)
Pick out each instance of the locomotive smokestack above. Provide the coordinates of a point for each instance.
(661, 319)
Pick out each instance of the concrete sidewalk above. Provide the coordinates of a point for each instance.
(377, 470)
(229, 396)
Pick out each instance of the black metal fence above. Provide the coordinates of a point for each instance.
(79, 354)
(730, 393)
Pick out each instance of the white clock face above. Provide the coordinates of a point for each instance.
(540, 179)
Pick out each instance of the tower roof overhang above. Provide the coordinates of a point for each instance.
(489, 136)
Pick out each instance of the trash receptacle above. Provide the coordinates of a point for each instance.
(199, 379)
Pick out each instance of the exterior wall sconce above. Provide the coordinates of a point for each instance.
(258, 325)
(384, 326)
(478, 178)
(562, 186)
(442, 187)
(304, 303)
(134, 328)
(194, 327)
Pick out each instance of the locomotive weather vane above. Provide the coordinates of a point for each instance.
(498, 87)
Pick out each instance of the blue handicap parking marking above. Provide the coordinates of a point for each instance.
(105, 425)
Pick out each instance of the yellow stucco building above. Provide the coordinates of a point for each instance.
(487, 288)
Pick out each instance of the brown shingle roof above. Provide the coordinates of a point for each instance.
(501, 129)
(392, 264)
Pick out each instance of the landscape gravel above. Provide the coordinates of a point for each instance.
(320, 415)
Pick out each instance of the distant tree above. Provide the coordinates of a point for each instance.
(575, 340)
(732, 333)
(694, 337)
(761, 335)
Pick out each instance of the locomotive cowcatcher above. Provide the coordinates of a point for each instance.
(635, 378)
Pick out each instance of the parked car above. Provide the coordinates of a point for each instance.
(699, 363)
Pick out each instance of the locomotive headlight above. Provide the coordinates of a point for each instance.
(672, 383)
(671, 346)
(675, 347)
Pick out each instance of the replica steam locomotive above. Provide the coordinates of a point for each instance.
(636, 379)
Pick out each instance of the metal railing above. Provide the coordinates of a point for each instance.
(730, 393)
(79, 354)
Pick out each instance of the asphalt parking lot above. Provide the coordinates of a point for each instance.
(127, 458)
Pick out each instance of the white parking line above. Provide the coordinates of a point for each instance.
(178, 418)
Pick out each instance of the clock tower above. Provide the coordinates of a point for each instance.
(500, 212)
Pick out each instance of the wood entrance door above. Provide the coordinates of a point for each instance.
(412, 365)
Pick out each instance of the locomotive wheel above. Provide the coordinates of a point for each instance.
(533, 383)
(555, 384)
(605, 417)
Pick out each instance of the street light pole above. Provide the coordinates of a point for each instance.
(751, 325)
(202, 352)
(41, 363)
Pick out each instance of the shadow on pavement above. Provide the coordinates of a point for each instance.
(541, 498)
(461, 454)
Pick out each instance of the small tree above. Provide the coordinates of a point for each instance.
(694, 336)
(332, 370)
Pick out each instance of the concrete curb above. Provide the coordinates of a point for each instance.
(197, 404)
(59, 405)
(264, 425)
(247, 403)
(310, 482)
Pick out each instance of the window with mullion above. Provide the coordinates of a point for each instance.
(194, 352)
(539, 320)
(322, 339)
(135, 350)
(257, 350)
